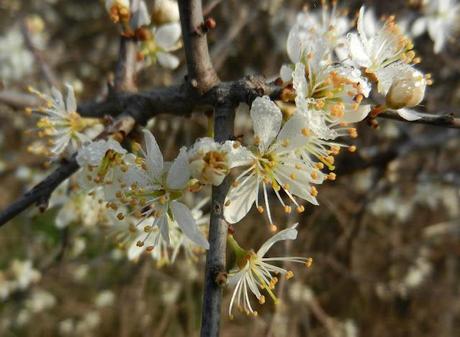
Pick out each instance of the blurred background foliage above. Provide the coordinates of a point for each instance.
(385, 239)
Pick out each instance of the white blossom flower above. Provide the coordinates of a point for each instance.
(118, 10)
(24, 273)
(104, 163)
(383, 51)
(15, 60)
(153, 190)
(255, 273)
(64, 127)
(329, 96)
(441, 20)
(40, 300)
(165, 11)
(210, 162)
(163, 41)
(328, 24)
(273, 162)
(104, 299)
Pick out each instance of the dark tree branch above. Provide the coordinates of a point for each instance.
(201, 74)
(224, 116)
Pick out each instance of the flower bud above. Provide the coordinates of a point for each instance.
(118, 10)
(208, 162)
(165, 11)
(407, 90)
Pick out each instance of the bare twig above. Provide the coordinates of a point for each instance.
(445, 120)
(44, 66)
(125, 71)
(201, 74)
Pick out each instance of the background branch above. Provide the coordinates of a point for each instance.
(201, 74)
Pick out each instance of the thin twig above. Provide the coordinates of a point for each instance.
(46, 70)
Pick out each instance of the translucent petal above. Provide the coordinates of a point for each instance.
(154, 158)
(266, 119)
(167, 60)
(179, 172)
(241, 200)
(285, 234)
(184, 218)
(167, 35)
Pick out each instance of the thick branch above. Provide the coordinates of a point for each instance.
(201, 73)
(215, 259)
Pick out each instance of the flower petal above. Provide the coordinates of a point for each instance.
(241, 200)
(167, 35)
(409, 115)
(285, 234)
(168, 60)
(184, 218)
(179, 172)
(154, 158)
(266, 119)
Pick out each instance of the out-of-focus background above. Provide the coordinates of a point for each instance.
(385, 238)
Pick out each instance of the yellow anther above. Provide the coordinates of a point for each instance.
(308, 262)
(314, 175)
(262, 299)
(352, 132)
(260, 209)
(293, 176)
(300, 209)
(287, 209)
(319, 165)
(306, 132)
(148, 229)
(313, 191)
(289, 275)
(352, 148)
(331, 176)
(273, 228)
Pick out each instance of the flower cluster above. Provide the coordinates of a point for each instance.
(325, 87)
(157, 30)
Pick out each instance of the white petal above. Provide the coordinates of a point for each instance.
(291, 132)
(285, 234)
(285, 73)
(419, 27)
(71, 104)
(184, 218)
(354, 116)
(167, 35)
(241, 200)
(154, 158)
(239, 156)
(409, 115)
(266, 119)
(141, 17)
(357, 51)
(179, 172)
(167, 60)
